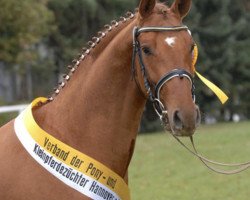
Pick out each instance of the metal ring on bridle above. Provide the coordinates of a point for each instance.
(155, 97)
(160, 106)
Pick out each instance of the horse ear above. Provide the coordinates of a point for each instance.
(146, 7)
(181, 7)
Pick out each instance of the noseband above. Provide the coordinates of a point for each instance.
(154, 95)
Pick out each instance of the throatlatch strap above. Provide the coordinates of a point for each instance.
(75, 169)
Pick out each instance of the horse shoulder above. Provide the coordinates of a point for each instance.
(24, 179)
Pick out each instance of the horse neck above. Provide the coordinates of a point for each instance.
(99, 110)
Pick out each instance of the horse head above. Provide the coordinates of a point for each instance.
(163, 56)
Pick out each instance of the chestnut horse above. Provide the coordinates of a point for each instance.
(98, 107)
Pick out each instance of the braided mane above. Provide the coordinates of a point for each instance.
(92, 44)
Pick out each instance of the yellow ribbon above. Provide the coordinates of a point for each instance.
(119, 186)
(219, 93)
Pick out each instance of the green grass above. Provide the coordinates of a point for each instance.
(6, 117)
(163, 170)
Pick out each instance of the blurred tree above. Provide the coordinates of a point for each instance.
(221, 31)
(77, 21)
(23, 25)
(39, 38)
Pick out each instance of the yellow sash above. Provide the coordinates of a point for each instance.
(72, 157)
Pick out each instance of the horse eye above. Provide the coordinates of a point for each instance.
(192, 48)
(146, 50)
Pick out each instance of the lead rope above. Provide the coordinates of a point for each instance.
(205, 161)
(159, 107)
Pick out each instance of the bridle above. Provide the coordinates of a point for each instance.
(154, 94)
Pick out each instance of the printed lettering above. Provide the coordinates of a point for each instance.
(52, 164)
(93, 171)
(92, 187)
(54, 149)
(100, 191)
(111, 182)
(51, 156)
(65, 172)
(69, 172)
(83, 182)
(35, 148)
(61, 170)
(45, 142)
(76, 162)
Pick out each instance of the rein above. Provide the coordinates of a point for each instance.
(242, 166)
(154, 97)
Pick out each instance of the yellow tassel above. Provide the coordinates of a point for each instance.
(195, 57)
(219, 93)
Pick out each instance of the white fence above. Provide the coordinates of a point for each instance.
(15, 108)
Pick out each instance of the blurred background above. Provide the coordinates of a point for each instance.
(38, 39)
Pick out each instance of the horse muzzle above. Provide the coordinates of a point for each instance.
(183, 123)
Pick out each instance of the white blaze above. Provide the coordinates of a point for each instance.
(170, 41)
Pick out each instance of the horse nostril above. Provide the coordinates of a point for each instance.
(177, 121)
